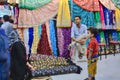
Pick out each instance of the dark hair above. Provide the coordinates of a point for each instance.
(93, 31)
(0, 18)
(11, 21)
(78, 16)
(6, 18)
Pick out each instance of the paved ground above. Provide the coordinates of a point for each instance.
(108, 69)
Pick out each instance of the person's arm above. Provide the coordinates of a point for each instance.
(72, 34)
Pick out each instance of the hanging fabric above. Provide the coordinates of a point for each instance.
(90, 5)
(32, 4)
(31, 37)
(63, 17)
(38, 16)
(13, 1)
(35, 41)
(67, 40)
(39, 31)
(26, 38)
(43, 45)
(117, 3)
(102, 17)
(107, 20)
(53, 38)
(97, 20)
(60, 41)
(117, 16)
(86, 16)
(4, 11)
(113, 19)
(102, 37)
(47, 24)
(108, 4)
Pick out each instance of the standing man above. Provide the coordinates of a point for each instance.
(77, 31)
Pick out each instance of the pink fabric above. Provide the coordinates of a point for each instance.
(102, 17)
(90, 5)
(31, 18)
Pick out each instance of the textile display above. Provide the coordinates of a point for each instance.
(63, 17)
(39, 31)
(102, 37)
(38, 16)
(67, 40)
(113, 19)
(118, 35)
(86, 16)
(90, 5)
(35, 40)
(43, 45)
(50, 65)
(31, 37)
(60, 41)
(97, 20)
(13, 1)
(108, 4)
(102, 17)
(53, 38)
(117, 15)
(4, 11)
(107, 40)
(32, 4)
(117, 3)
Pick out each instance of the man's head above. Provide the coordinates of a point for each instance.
(77, 20)
(92, 32)
(6, 18)
(0, 19)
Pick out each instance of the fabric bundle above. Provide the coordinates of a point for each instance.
(32, 4)
(38, 16)
(63, 17)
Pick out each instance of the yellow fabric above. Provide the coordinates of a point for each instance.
(35, 40)
(92, 67)
(13, 1)
(117, 16)
(63, 17)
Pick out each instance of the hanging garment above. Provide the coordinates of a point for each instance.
(86, 16)
(43, 45)
(90, 5)
(60, 41)
(32, 4)
(102, 37)
(63, 17)
(67, 40)
(108, 4)
(53, 38)
(31, 37)
(35, 41)
(97, 20)
(117, 16)
(4, 11)
(113, 19)
(39, 31)
(29, 18)
(102, 17)
(107, 20)
(117, 3)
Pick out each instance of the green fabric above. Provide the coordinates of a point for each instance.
(32, 4)
(97, 20)
(117, 3)
(118, 35)
(102, 37)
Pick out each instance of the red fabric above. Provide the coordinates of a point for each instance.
(93, 45)
(43, 45)
(90, 5)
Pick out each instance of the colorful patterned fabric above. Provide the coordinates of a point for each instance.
(117, 15)
(108, 4)
(117, 3)
(63, 17)
(32, 4)
(90, 5)
(87, 17)
(29, 18)
(43, 45)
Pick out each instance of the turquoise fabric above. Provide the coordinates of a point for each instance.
(87, 17)
(39, 31)
(32, 4)
(117, 3)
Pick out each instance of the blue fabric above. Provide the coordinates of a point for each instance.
(87, 17)
(4, 56)
(39, 31)
(114, 36)
(30, 39)
(98, 38)
(53, 38)
(96, 56)
(107, 37)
